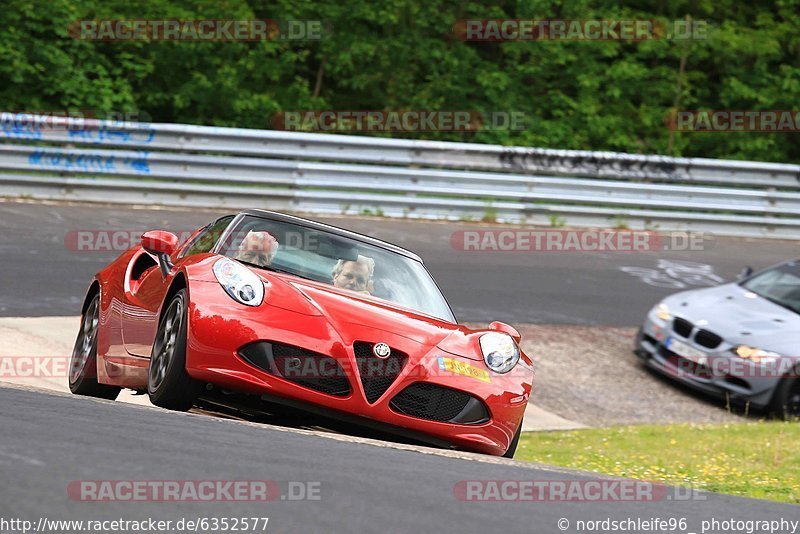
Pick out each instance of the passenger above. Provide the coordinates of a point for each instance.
(354, 275)
(257, 248)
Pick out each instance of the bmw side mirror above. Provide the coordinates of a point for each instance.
(162, 245)
(507, 329)
(747, 271)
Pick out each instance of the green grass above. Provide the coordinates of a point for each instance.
(758, 459)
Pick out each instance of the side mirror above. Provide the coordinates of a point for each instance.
(747, 271)
(162, 245)
(506, 328)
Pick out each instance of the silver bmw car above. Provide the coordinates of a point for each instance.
(739, 341)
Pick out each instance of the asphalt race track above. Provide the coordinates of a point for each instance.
(49, 440)
(516, 287)
(362, 487)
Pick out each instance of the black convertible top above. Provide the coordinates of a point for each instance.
(282, 217)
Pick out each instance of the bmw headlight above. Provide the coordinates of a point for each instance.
(242, 284)
(662, 312)
(500, 352)
(756, 355)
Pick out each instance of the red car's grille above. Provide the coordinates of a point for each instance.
(438, 403)
(303, 367)
(377, 374)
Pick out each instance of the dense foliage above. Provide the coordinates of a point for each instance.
(403, 54)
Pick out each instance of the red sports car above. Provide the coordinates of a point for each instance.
(293, 312)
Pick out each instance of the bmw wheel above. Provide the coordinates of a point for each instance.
(786, 403)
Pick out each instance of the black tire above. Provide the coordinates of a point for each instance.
(168, 384)
(83, 363)
(514, 442)
(786, 399)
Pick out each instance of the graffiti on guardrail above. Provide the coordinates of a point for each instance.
(535, 160)
(27, 133)
(65, 161)
(676, 274)
(112, 134)
(82, 126)
(94, 135)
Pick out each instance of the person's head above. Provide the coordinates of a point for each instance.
(258, 248)
(354, 275)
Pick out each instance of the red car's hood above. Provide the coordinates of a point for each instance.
(342, 307)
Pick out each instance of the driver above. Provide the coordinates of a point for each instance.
(354, 275)
(258, 248)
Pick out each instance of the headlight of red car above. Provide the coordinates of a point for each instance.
(242, 284)
(500, 351)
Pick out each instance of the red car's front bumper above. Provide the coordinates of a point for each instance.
(217, 332)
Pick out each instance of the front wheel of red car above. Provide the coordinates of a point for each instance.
(83, 364)
(168, 384)
(514, 442)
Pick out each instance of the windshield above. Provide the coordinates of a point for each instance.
(780, 284)
(339, 261)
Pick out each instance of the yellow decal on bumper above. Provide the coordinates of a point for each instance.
(465, 369)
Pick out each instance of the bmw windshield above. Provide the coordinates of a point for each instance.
(340, 261)
(780, 285)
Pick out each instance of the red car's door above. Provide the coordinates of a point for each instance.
(144, 290)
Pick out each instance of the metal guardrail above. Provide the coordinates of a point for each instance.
(174, 164)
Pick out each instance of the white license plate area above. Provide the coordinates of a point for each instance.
(690, 353)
